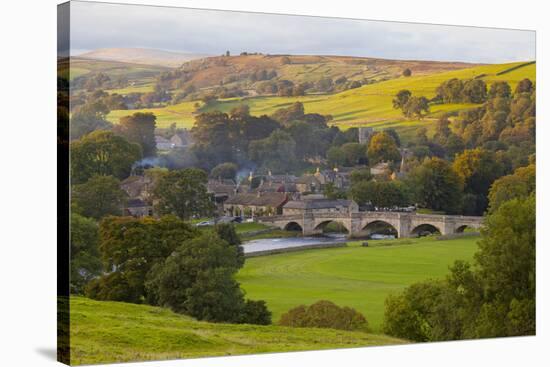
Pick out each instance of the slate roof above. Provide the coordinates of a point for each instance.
(272, 199)
(317, 204)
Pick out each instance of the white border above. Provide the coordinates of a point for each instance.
(28, 182)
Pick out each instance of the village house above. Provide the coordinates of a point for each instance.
(308, 184)
(381, 169)
(181, 139)
(320, 206)
(338, 177)
(139, 190)
(221, 190)
(162, 143)
(255, 204)
(138, 208)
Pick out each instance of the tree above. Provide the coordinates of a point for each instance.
(436, 185)
(382, 194)
(98, 197)
(450, 91)
(276, 152)
(360, 175)
(354, 153)
(500, 89)
(139, 128)
(324, 314)
(416, 107)
(89, 117)
(85, 258)
(130, 248)
(401, 98)
(332, 192)
(286, 115)
(336, 157)
(478, 168)
(518, 185)
(474, 91)
(198, 280)
(382, 148)
(227, 232)
(183, 193)
(407, 72)
(495, 298)
(102, 153)
(226, 170)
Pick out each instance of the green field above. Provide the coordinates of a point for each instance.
(354, 276)
(370, 105)
(112, 332)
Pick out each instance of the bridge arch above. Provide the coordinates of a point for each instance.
(466, 228)
(423, 228)
(323, 225)
(380, 227)
(293, 226)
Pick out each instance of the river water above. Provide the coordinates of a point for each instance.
(280, 243)
(266, 244)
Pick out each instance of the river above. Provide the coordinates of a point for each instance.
(266, 244)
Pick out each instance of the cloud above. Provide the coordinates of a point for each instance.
(99, 25)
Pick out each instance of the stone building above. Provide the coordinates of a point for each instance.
(138, 208)
(320, 206)
(255, 204)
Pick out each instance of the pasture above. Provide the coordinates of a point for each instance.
(352, 276)
(369, 105)
(114, 332)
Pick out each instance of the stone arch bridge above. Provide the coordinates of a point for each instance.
(359, 224)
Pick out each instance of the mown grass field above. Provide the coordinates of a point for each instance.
(113, 332)
(353, 276)
(370, 105)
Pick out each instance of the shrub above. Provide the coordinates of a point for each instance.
(325, 314)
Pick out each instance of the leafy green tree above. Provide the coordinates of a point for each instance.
(450, 91)
(198, 280)
(474, 91)
(139, 128)
(478, 169)
(130, 248)
(354, 153)
(256, 312)
(436, 185)
(360, 175)
(416, 107)
(500, 89)
(227, 170)
(336, 157)
(85, 258)
(401, 98)
(183, 193)
(518, 185)
(276, 152)
(102, 153)
(382, 147)
(287, 115)
(407, 72)
(227, 232)
(89, 117)
(383, 194)
(98, 197)
(496, 298)
(332, 192)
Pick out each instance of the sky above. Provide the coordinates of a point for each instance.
(103, 25)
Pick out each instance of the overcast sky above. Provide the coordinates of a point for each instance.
(100, 25)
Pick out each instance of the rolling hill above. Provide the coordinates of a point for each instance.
(115, 332)
(369, 105)
(145, 56)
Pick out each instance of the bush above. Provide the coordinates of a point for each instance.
(325, 314)
(256, 312)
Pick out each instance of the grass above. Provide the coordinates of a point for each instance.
(114, 332)
(352, 276)
(370, 105)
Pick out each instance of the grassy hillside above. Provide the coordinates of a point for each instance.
(370, 105)
(111, 332)
(213, 71)
(355, 276)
